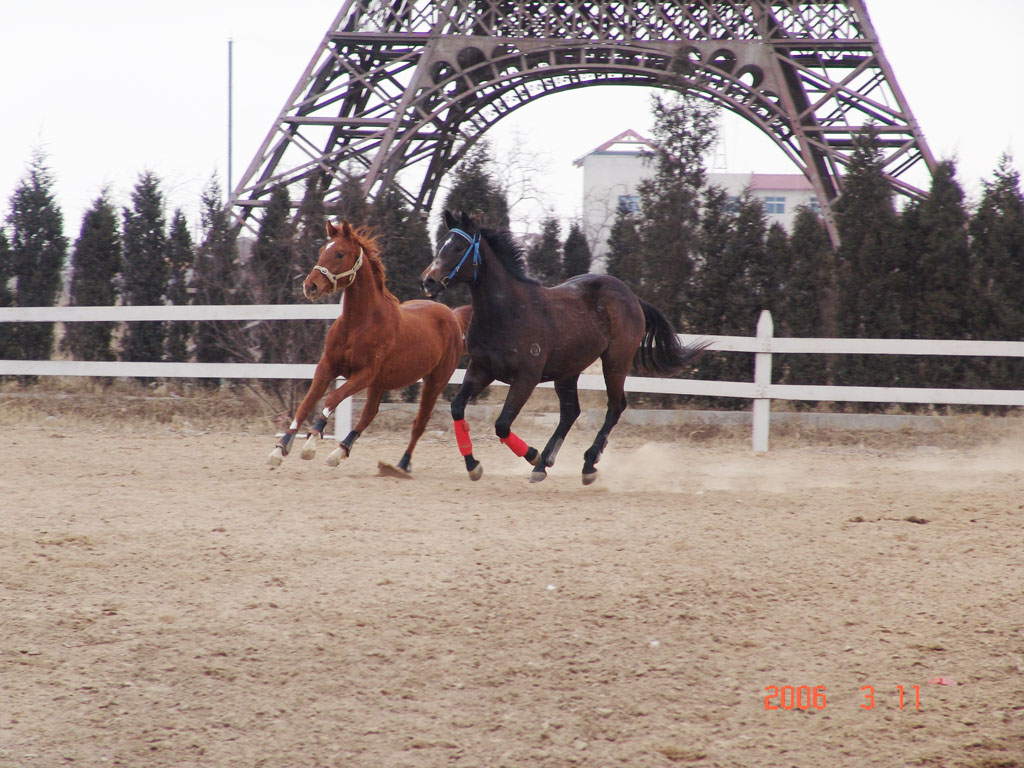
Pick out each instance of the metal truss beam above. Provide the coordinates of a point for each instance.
(399, 90)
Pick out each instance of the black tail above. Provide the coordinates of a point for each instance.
(660, 352)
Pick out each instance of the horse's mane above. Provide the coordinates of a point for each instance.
(510, 253)
(369, 241)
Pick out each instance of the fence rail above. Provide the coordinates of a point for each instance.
(761, 390)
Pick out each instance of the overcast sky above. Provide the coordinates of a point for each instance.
(109, 88)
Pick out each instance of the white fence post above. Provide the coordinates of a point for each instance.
(762, 380)
(342, 416)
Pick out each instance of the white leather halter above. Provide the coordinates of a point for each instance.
(349, 273)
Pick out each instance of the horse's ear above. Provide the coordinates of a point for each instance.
(449, 219)
(467, 223)
(346, 230)
(332, 231)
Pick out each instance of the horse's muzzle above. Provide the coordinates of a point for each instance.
(312, 291)
(431, 287)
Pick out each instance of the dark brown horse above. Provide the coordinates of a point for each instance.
(376, 343)
(522, 333)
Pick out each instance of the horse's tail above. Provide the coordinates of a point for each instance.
(463, 314)
(660, 352)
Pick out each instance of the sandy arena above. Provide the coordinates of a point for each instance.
(170, 601)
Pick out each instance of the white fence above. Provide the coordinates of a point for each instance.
(761, 391)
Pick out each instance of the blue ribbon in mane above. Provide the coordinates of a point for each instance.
(474, 248)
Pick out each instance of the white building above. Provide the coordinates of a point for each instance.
(613, 171)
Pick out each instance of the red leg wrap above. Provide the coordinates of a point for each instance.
(462, 437)
(516, 444)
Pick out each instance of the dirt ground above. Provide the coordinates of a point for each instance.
(168, 600)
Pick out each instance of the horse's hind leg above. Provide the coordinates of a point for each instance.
(433, 383)
(370, 408)
(615, 384)
(569, 411)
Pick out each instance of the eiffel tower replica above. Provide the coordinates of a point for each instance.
(399, 90)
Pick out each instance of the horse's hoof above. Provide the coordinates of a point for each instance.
(532, 456)
(476, 472)
(538, 476)
(589, 477)
(336, 456)
(275, 457)
(309, 448)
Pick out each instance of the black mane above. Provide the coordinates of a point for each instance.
(510, 252)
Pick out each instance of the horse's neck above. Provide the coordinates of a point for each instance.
(498, 289)
(364, 298)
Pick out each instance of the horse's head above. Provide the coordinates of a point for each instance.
(458, 256)
(339, 261)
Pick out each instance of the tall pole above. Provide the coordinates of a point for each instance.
(230, 85)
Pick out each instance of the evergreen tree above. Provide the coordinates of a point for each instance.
(38, 249)
(576, 252)
(935, 278)
(623, 257)
(274, 263)
(351, 205)
(810, 285)
(770, 276)
(215, 281)
(476, 191)
(723, 296)
(716, 285)
(747, 244)
(683, 132)
(276, 270)
(144, 271)
(942, 259)
(867, 261)
(719, 283)
(809, 298)
(8, 344)
(180, 258)
(95, 265)
(310, 224)
(404, 241)
(544, 257)
(997, 275)
(305, 338)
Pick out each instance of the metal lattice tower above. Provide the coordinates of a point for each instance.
(399, 90)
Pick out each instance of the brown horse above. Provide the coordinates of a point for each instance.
(376, 343)
(523, 333)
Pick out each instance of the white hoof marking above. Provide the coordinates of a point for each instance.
(336, 456)
(309, 447)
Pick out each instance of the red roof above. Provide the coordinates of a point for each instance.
(628, 136)
(790, 181)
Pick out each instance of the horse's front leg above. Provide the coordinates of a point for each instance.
(351, 386)
(322, 378)
(473, 383)
(519, 392)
